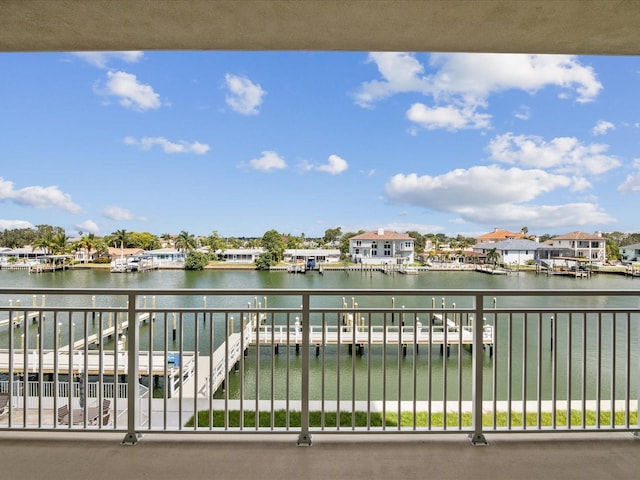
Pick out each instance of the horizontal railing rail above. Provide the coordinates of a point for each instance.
(314, 361)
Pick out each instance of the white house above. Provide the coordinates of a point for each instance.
(630, 253)
(166, 257)
(320, 255)
(381, 247)
(511, 252)
(242, 255)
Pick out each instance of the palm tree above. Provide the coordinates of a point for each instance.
(59, 244)
(121, 237)
(87, 242)
(186, 242)
(493, 256)
(44, 242)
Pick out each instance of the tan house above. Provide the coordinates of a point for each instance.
(590, 246)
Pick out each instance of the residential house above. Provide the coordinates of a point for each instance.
(380, 247)
(320, 255)
(242, 255)
(590, 246)
(630, 253)
(510, 252)
(498, 236)
(168, 257)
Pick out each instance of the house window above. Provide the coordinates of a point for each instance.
(387, 253)
(374, 253)
(357, 251)
(358, 243)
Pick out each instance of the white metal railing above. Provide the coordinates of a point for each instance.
(314, 361)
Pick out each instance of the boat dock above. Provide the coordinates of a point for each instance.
(282, 335)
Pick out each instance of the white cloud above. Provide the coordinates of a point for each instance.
(131, 93)
(460, 83)
(401, 72)
(602, 127)
(481, 185)
(117, 213)
(491, 194)
(88, 226)
(334, 166)
(268, 161)
(631, 184)
(448, 117)
(562, 154)
(146, 143)
(102, 59)
(244, 96)
(480, 74)
(38, 197)
(523, 113)
(13, 224)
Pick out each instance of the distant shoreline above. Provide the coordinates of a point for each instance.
(251, 266)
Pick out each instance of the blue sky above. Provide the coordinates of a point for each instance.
(244, 142)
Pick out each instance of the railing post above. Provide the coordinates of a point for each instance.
(636, 434)
(133, 350)
(477, 437)
(304, 438)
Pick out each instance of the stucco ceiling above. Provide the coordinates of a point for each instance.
(571, 26)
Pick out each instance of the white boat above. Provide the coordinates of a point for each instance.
(119, 265)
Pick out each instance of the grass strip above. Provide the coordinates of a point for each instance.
(280, 419)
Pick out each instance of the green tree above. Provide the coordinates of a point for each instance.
(418, 241)
(263, 262)
(120, 238)
(186, 242)
(332, 235)
(215, 243)
(144, 240)
(493, 256)
(344, 243)
(273, 243)
(196, 260)
(294, 242)
(45, 242)
(87, 243)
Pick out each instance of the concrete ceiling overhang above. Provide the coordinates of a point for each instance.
(601, 27)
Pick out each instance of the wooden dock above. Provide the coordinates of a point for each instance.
(18, 318)
(108, 332)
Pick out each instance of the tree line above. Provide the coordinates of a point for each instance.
(54, 241)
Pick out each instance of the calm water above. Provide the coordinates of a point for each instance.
(338, 364)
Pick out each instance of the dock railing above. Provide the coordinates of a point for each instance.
(308, 362)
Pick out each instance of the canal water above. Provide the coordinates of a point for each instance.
(337, 373)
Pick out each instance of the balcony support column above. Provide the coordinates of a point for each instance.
(304, 438)
(133, 394)
(477, 436)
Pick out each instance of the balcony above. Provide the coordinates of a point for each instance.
(377, 362)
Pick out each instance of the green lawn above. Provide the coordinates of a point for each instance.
(406, 419)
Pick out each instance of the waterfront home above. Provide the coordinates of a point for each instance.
(380, 247)
(242, 255)
(630, 253)
(590, 246)
(21, 255)
(499, 236)
(511, 252)
(168, 257)
(320, 255)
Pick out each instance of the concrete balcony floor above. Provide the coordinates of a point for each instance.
(54, 456)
